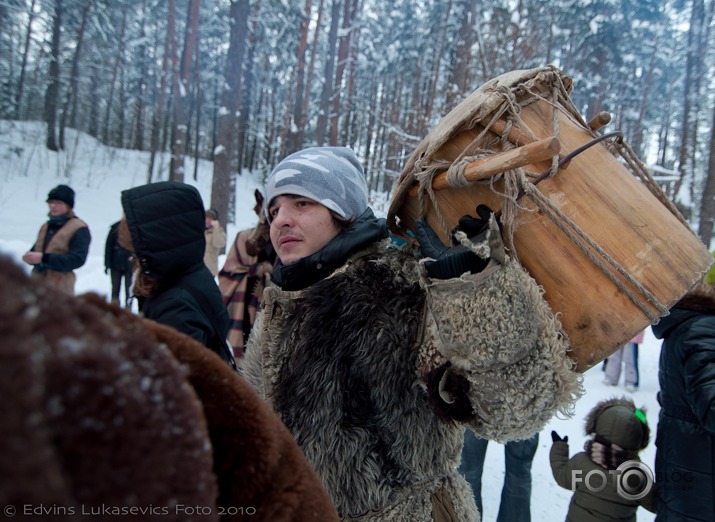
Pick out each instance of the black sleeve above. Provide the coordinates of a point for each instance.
(109, 246)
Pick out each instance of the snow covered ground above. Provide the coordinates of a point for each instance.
(98, 174)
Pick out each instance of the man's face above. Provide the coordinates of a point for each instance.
(57, 207)
(300, 227)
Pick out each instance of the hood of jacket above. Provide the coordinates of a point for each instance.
(616, 420)
(166, 222)
(311, 269)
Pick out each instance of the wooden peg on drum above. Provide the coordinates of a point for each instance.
(599, 121)
(500, 162)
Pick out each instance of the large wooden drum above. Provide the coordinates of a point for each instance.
(579, 210)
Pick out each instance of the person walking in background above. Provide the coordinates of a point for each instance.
(618, 431)
(215, 241)
(163, 228)
(244, 275)
(62, 244)
(685, 441)
(118, 263)
(626, 356)
(515, 503)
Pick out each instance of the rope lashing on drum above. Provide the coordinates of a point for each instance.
(618, 135)
(542, 202)
(581, 239)
(547, 207)
(636, 165)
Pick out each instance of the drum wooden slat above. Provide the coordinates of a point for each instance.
(613, 208)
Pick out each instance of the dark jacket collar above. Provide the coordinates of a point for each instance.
(689, 306)
(309, 270)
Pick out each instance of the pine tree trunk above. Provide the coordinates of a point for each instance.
(181, 91)
(197, 132)
(141, 87)
(637, 140)
(707, 211)
(74, 78)
(52, 94)
(121, 126)
(459, 81)
(313, 56)
(298, 131)
(169, 44)
(327, 92)
(247, 85)
(221, 192)
(343, 47)
(23, 67)
(349, 116)
(685, 153)
(115, 71)
(436, 74)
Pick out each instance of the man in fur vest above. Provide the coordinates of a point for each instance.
(62, 244)
(375, 360)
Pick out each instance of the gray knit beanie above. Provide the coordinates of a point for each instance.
(332, 176)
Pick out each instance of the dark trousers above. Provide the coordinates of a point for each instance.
(516, 492)
(117, 276)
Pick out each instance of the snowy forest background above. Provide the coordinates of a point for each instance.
(244, 82)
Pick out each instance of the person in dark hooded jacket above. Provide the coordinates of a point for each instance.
(163, 227)
(618, 431)
(685, 442)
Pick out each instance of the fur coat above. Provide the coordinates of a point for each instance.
(107, 414)
(375, 370)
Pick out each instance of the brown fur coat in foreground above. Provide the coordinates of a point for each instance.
(100, 419)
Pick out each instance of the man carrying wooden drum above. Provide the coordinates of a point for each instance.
(375, 357)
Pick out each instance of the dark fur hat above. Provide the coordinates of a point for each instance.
(62, 193)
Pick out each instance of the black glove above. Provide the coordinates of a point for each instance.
(555, 437)
(448, 261)
(474, 226)
(106, 270)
